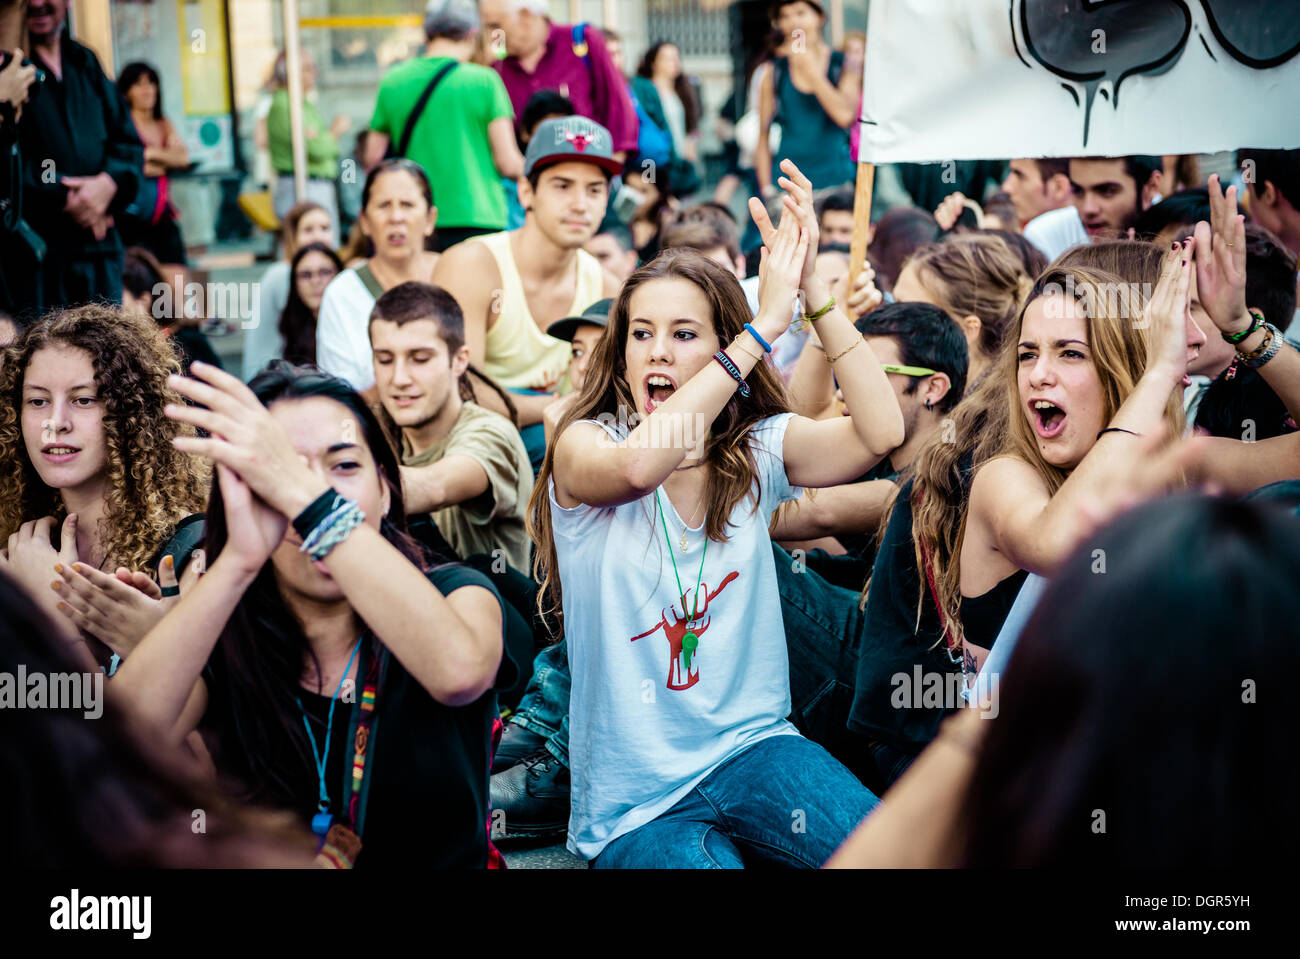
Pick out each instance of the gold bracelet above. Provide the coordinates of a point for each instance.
(736, 345)
(847, 349)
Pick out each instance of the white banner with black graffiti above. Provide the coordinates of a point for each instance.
(988, 79)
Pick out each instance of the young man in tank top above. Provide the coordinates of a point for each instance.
(512, 285)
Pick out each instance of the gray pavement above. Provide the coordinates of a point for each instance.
(554, 856)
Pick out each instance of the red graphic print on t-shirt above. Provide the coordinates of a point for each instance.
(676, 626)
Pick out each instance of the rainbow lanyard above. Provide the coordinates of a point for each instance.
(690, 641)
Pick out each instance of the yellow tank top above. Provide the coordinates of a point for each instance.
(519, 354)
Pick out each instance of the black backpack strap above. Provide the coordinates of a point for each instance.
(420, 104)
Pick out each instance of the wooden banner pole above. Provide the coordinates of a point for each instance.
(861, 219)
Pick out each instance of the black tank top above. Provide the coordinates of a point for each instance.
(982, 616)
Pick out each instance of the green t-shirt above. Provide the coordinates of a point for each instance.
(450, 139)
(322, 149)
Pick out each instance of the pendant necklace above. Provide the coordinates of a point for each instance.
(681, 540)
(690, 641)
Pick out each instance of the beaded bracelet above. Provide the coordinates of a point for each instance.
(333, 530)
(734, 370)
(1267, 350)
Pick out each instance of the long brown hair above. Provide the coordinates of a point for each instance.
(732, 471)
(151, 484)
(972, 435)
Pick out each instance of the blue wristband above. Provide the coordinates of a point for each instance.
(767, 347)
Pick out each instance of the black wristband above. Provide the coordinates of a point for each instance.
(311, 517)
(1256, 321)
(1116, 429)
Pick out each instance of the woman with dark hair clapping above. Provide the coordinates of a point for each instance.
(316, 597)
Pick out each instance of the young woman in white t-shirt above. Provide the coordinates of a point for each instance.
(651, 520)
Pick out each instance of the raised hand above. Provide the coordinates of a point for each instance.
(797, 204)
(253, 528)
(1221, 262)
(780, 273)
(1167, 314)
(246, 439)
(863, 298)
(15, 81)
(949, 210)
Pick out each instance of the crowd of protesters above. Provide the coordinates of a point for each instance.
(540, 513)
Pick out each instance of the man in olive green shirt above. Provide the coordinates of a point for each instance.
(464, 137)
(466, 465)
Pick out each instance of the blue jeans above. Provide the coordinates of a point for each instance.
(823, 632)
(823, 629)
(544, 709)
(782, 802)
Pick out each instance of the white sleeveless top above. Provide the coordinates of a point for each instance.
(519, 354)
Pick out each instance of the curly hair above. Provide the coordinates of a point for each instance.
(151, 484)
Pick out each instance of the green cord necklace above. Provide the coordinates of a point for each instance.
(690, 641)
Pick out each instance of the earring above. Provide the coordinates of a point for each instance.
(929, 405)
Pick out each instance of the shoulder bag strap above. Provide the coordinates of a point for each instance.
(420, 104)
(369, 281)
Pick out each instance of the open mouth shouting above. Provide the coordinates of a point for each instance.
(59, 452)
(1048, 418)
(658, 388)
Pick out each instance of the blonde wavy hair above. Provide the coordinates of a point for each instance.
(1112, 308)
(982, 426)
(151, 485)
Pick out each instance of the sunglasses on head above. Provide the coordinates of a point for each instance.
(895, 368)
(907, 370)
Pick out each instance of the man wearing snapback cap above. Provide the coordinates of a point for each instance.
(513, 285)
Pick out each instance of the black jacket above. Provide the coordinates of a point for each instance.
(77, 126)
